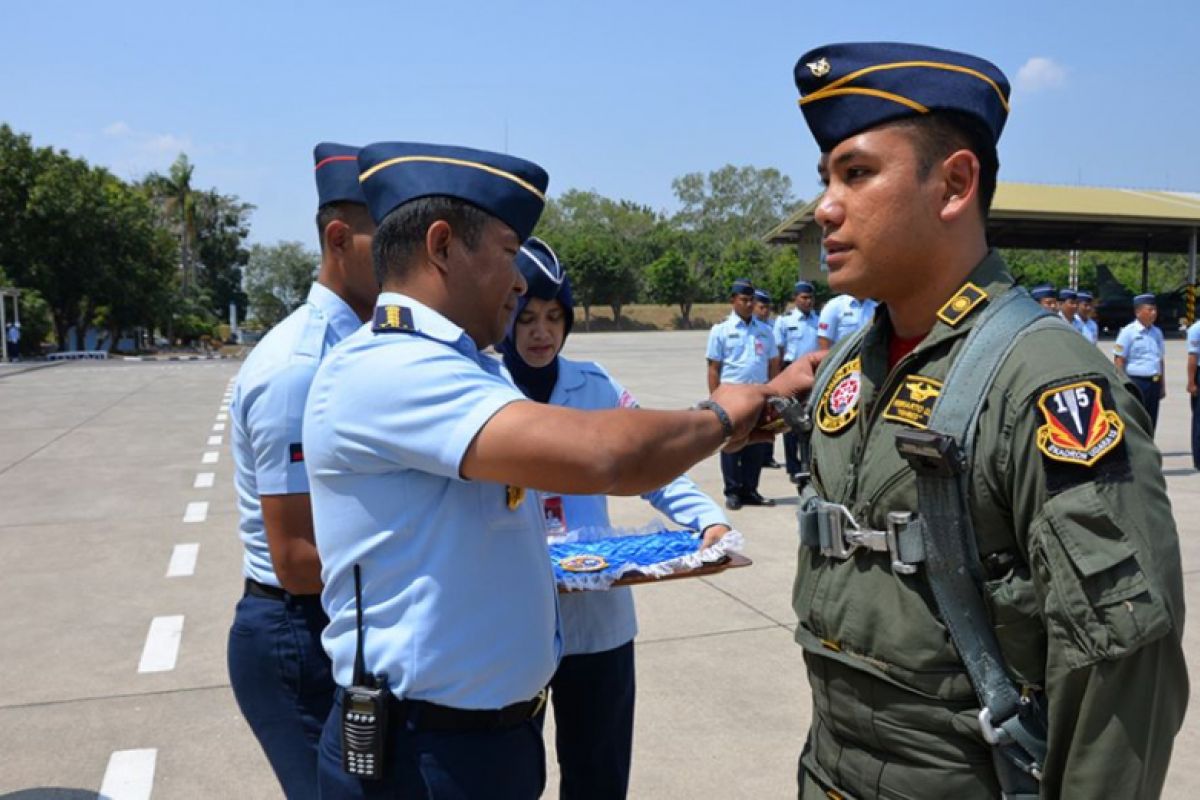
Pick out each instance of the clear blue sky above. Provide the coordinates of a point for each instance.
(615, 96)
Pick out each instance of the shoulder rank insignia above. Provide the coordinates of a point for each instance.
(1078, 428)
(839, 404)
(392, 319)
(912, 402)
(513, 497)
(964, 301)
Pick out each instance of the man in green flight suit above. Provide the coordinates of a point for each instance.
(1074, 558)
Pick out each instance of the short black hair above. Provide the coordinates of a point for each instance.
(343, 211)
(403, 231)
(941, 132)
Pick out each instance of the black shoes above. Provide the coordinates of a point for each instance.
(773, 464)
(733, 502)
(756, 499)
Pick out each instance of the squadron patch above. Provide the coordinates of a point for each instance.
(584, 562)
(912, 402)
(839, 404)
(513, 497)
(1082, 438)
(964, 301)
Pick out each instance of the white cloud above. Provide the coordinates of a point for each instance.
(117, 129)
(166, 143)
(1039, 74)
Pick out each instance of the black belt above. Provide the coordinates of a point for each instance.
(425, 716)
(268, 592)
(1151, 378)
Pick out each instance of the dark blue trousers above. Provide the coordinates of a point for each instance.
(1150, 391)
(741, 470)
(282, 682)
(1195, 400)
(593, 698)
(508, 764)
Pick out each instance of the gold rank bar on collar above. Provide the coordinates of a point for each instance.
(393, 319)
(964, 301)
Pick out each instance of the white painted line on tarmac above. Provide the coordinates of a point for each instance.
(222, 417)
(183, 560)
(210, 457)
(162, 644)
(223, 408)
(204, 480)
(196, 511)
(213, 441)
(129, 776)
(220, 426)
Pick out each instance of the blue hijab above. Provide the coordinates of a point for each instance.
(547, 281)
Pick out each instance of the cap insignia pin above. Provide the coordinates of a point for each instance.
(819, 68)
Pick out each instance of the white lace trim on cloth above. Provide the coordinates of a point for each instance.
(731, 542)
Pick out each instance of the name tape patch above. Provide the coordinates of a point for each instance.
(912, 402)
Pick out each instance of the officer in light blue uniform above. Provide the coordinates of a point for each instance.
(742, 349)
(796, 335)
(1193, 374)
(1089, 329)
(1045, 295)
(762, 312)
(1140, 353)
(1068, 309)
(594, 688)
(842, 316)
(279, 672)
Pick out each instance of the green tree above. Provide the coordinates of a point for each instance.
(733, 203)
(278, 278)
(175, 197)
(671, 280)
(222, 225)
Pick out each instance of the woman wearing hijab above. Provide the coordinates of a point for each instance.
(593, 689)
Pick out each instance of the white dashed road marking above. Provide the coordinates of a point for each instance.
(129, 776)
(210, 457)
(196, 511)
(183, 560)
(162, 644)
(204, 480)
(213, 441)
(220, 426)
(222, 417)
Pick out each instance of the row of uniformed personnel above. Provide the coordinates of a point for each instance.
(981, 611)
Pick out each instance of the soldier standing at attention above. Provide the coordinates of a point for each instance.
(1044, 294)
(1140, 353)
(1193, 355)
(796, 335)
(988, 588)
(278, 670)
(842, 316)
(1068, 308)
(439, 589)
(741, 349)
(762, 312)
(1090, 330)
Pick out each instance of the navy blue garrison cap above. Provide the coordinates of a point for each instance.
(511, 189)
(1084, 297)
(1144, 300)
(742, 286)
(847, 88)
(761, 296)
(802, 286)
(545, 276)
(337, 174)
(1042, 292)
(1067, 294)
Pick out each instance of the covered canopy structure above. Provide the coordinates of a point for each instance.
(1043, 217)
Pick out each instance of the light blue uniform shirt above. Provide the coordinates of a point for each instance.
(1141, 348)
(1193, 339)
(459, 602)
(843, 315)
(593, 622)
(743, 348)
(267, 410)
(796, 333)
(1075, 322)
(1091, 331)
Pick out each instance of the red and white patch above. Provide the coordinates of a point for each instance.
(839, 405)
(626, 400)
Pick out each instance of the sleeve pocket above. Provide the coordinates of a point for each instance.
(1099, 604)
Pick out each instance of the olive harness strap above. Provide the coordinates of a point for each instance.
(1012, 722)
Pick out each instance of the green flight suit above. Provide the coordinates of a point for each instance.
(1082, 567)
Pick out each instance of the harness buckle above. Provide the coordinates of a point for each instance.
(834, 541)
(930, 453)
(898, 521)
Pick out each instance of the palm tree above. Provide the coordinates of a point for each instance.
(174, 195)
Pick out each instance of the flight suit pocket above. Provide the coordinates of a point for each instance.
(1099, 604)
(1017, 620)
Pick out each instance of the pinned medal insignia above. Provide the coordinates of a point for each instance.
(819, 68)
(513, 497)
(913, 401)
(392, 319)
(839, 404)
(961, 304)
(584, 562)
(1078, 430)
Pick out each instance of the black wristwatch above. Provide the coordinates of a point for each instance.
(722, 415)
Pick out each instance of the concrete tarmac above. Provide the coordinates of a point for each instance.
(99, 484)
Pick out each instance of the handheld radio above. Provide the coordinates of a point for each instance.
(364, 709)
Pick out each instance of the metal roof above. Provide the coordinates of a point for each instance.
(1044, 217)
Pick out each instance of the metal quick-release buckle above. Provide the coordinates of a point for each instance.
(898, 521)
(998, 737)
(840, 535)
